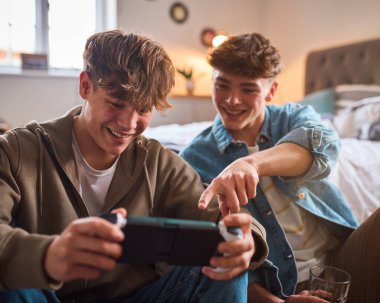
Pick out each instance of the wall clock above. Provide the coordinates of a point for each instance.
(179, 12)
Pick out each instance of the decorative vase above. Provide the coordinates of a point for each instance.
(190, 86)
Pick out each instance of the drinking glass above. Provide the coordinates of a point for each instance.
(329, 283)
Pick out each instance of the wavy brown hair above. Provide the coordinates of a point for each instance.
(247, 55)
(130, 66)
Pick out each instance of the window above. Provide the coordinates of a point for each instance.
(17, 29)
(54, 27)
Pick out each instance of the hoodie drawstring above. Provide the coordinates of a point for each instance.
(149, 190)
(40, 200)
(146, 174)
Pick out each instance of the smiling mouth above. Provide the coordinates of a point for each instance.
(233, 112)
(119, 135)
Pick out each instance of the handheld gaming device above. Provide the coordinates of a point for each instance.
(174, 241)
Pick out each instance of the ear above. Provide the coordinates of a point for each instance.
(85, 85)
(272, 91)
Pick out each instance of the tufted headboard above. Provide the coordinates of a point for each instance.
(357, 63)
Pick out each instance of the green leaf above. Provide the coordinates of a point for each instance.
(188, 74)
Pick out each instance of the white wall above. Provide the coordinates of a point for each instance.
(41, 97)
(294, 26)
(25, 98)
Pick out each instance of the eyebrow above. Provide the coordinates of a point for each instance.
(220, 78)
(249, 85)
(244, 84)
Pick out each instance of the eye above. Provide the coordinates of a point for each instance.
(221, 86)
(115, 104)
(250, 91)
(144, 111)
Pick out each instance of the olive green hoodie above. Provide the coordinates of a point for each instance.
(39, 198)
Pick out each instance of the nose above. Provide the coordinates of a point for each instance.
(128, 118)
(233, 98)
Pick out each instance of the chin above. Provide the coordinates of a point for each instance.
(116, 149)
(232, 124)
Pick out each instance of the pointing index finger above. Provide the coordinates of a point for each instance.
(206, 197)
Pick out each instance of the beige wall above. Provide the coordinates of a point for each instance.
(294, 26)
(297, 26)
(182, 41)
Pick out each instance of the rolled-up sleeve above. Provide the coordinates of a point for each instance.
(323, 143)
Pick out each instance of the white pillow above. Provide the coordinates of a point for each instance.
(360, 120)
(346, 95)
(357, 174)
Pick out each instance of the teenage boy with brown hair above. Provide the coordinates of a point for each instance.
(274, 160)
(55, 177)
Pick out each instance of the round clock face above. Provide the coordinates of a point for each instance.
(179, 12)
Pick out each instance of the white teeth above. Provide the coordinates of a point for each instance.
(118, 135)
(234, 112)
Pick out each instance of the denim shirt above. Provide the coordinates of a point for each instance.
(214, 149)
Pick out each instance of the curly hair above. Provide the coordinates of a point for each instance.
(131, 67)
(247, 55)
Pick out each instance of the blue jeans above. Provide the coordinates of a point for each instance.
(30, 295)
(182, 284)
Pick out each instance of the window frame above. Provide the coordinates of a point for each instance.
(105, 16)
(42, 26)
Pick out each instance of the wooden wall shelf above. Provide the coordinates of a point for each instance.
(186, 109)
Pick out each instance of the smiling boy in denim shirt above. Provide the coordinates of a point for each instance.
(274, 160)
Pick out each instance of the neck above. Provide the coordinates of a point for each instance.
(248, 137)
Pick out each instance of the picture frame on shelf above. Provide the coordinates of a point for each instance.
(34, 61)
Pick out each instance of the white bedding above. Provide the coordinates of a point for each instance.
(359, 120)
(357, 172)
(176, 136)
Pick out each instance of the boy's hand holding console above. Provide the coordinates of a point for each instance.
(89, 246)
(180, 242)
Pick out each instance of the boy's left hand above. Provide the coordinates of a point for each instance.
(240, 251)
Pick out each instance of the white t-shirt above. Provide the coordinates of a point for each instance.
(94, 184)
(309, 239)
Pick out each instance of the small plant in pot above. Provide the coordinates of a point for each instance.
(188, 75)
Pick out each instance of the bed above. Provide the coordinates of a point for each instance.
(343, 85)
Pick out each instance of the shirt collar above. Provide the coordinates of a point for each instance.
(265, 134)
(223, 137)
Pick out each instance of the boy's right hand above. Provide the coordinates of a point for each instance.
(86, 248)
(237, 254)
(233, 186)
(259, 294)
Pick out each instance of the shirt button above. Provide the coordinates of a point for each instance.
(301, 195)
(269, 213)
(289, 256)
(263, 139)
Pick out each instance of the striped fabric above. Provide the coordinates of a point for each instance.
(309, 239)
